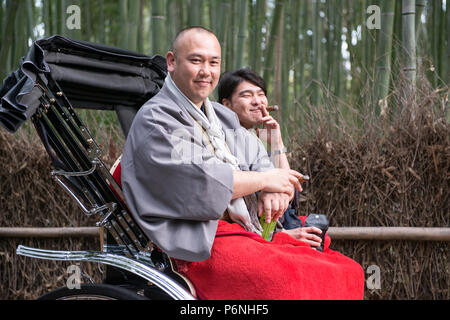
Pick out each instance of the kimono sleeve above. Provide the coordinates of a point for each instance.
(162, 181)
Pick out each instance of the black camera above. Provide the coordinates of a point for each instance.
(319, 221)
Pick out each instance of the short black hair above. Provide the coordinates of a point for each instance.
(230, 80)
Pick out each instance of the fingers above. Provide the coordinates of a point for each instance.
(277, 208)
(307, 235)
(295, 183)
(296, 174)
(266, 205)
(273, 205)
(312, 230)
(260, 208)
(286, 203)
(282, 180)
(269, 121)
(310, 234)
(295, 178)
(290, 194)
(311, 243)
(264, 111)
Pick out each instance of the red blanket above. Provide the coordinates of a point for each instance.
(245, 266)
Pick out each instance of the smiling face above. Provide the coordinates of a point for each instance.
(194, 64)
(247, 101)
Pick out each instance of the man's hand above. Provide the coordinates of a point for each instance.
(282, 180)
(271, 132)
(273, 205)
(306, 234)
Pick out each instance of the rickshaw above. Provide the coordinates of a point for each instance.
(56, 76)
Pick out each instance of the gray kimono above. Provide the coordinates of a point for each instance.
(173, 184)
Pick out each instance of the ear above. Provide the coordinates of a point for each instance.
(227, 103)
(171, 61)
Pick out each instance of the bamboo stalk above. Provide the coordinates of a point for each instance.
(293, 39)
(2, 13)
(172, 19)
(140, 28)
(396, 37)
(87, 23)
(442, 66)
(364, 43)
(195, 13)
(434, 38)
(30, 21)
(317, 66)
(7, 36)
(420, 5)
(286, 63)
(101, 22)
(61, 11)
(268, 69)
(55, 16)
(242, 35)
(303, 53)
(133, 20)
(296, 61)
(123, 34)
(409, 40)
(47, 9)
(338, 41)
(223, 30)
(18, 48)
(158, 28)
(260, 17)
(384, 52)
(447, 12)
(230, 39)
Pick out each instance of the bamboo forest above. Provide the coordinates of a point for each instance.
(307, 51)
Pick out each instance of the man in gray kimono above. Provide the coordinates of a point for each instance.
(187, 160)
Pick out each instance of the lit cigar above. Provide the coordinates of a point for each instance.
(303, 178)
(272, 108)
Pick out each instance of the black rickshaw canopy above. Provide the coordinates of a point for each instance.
(91, 75)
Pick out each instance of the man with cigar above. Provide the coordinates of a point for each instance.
(187, 163)
(205, 164)
(245, 92)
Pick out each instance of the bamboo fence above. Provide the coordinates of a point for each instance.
(336, 233)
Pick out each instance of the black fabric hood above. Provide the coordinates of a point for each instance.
(91, 75)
